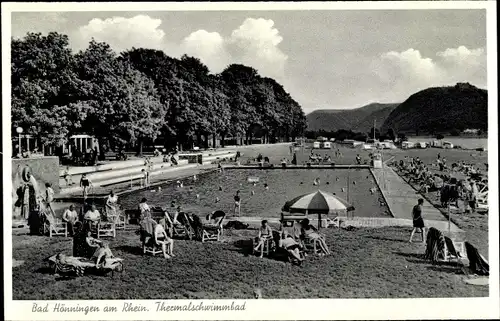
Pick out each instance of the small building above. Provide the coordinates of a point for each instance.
(407, 145)
(316, 145)
(447, 145)
(326, 145)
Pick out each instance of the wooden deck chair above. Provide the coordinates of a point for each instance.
(54, 227)
(268, 246)
(455, 252)
(183, 228)
(213, 232)
(117, 218)
(151, 248)
(106, 229)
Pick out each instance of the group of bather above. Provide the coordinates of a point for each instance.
(450, 189)
(293, 242)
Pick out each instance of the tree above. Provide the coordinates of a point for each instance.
(374, 133)
(439, 136)
(391, 135)
(42, 82)
(118, 103)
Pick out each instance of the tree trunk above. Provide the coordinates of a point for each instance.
(222, 140)
(140, 147)
(205, 143)
(214, 140)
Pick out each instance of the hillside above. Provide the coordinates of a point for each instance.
(358, 120)
(441, 109)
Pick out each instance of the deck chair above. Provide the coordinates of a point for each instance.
(477, 263)
(151, 248)
(213, 232)
(269, 245)
(117, 217)
(183, 228)
(54, 227)
(455, 252)
(435, 246)
(106, 229)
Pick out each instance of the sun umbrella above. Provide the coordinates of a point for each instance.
(319, 203)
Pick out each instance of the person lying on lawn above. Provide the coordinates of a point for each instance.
(265, 233)
(73, 261)
(291, 246)
(310, 232)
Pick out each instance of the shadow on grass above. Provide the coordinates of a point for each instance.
(45, 270)
(135, 250)
(244, 247)
(386, 239)
(453, 269)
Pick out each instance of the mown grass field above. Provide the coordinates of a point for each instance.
(366, 263)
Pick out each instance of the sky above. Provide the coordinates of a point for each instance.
(324, 59)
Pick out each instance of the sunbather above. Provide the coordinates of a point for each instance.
(291, 246)
(73, 261)
(102, 253)
(265, 234)
(310, 232)
(161, 238)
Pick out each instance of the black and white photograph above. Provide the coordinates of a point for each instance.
(195, 155)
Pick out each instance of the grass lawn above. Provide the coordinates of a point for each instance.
(366, 263)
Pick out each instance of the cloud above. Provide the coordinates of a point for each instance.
(403, 73)
(122, 33)
(209, 47)
(254, 43)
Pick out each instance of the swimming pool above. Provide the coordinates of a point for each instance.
(284, 184)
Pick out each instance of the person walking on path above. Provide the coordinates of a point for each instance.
(418, 221)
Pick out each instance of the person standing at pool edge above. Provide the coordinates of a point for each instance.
(237, 203)
(418, 221)
(85, 183)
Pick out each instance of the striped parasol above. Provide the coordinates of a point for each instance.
(318, 202)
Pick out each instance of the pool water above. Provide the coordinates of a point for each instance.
(284, 184)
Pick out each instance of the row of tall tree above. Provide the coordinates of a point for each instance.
(142, 96)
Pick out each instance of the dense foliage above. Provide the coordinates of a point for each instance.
(446, 110)
(142, 96)
(358, 119)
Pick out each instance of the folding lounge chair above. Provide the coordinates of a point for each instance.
(213, 232)
(477, 263)
(183, 228)
(435, 246)
(454, 252)
(54, 227)
(111, 265)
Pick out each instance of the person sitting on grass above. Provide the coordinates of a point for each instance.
(265, 234)
(291, 246)
(308, 231)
